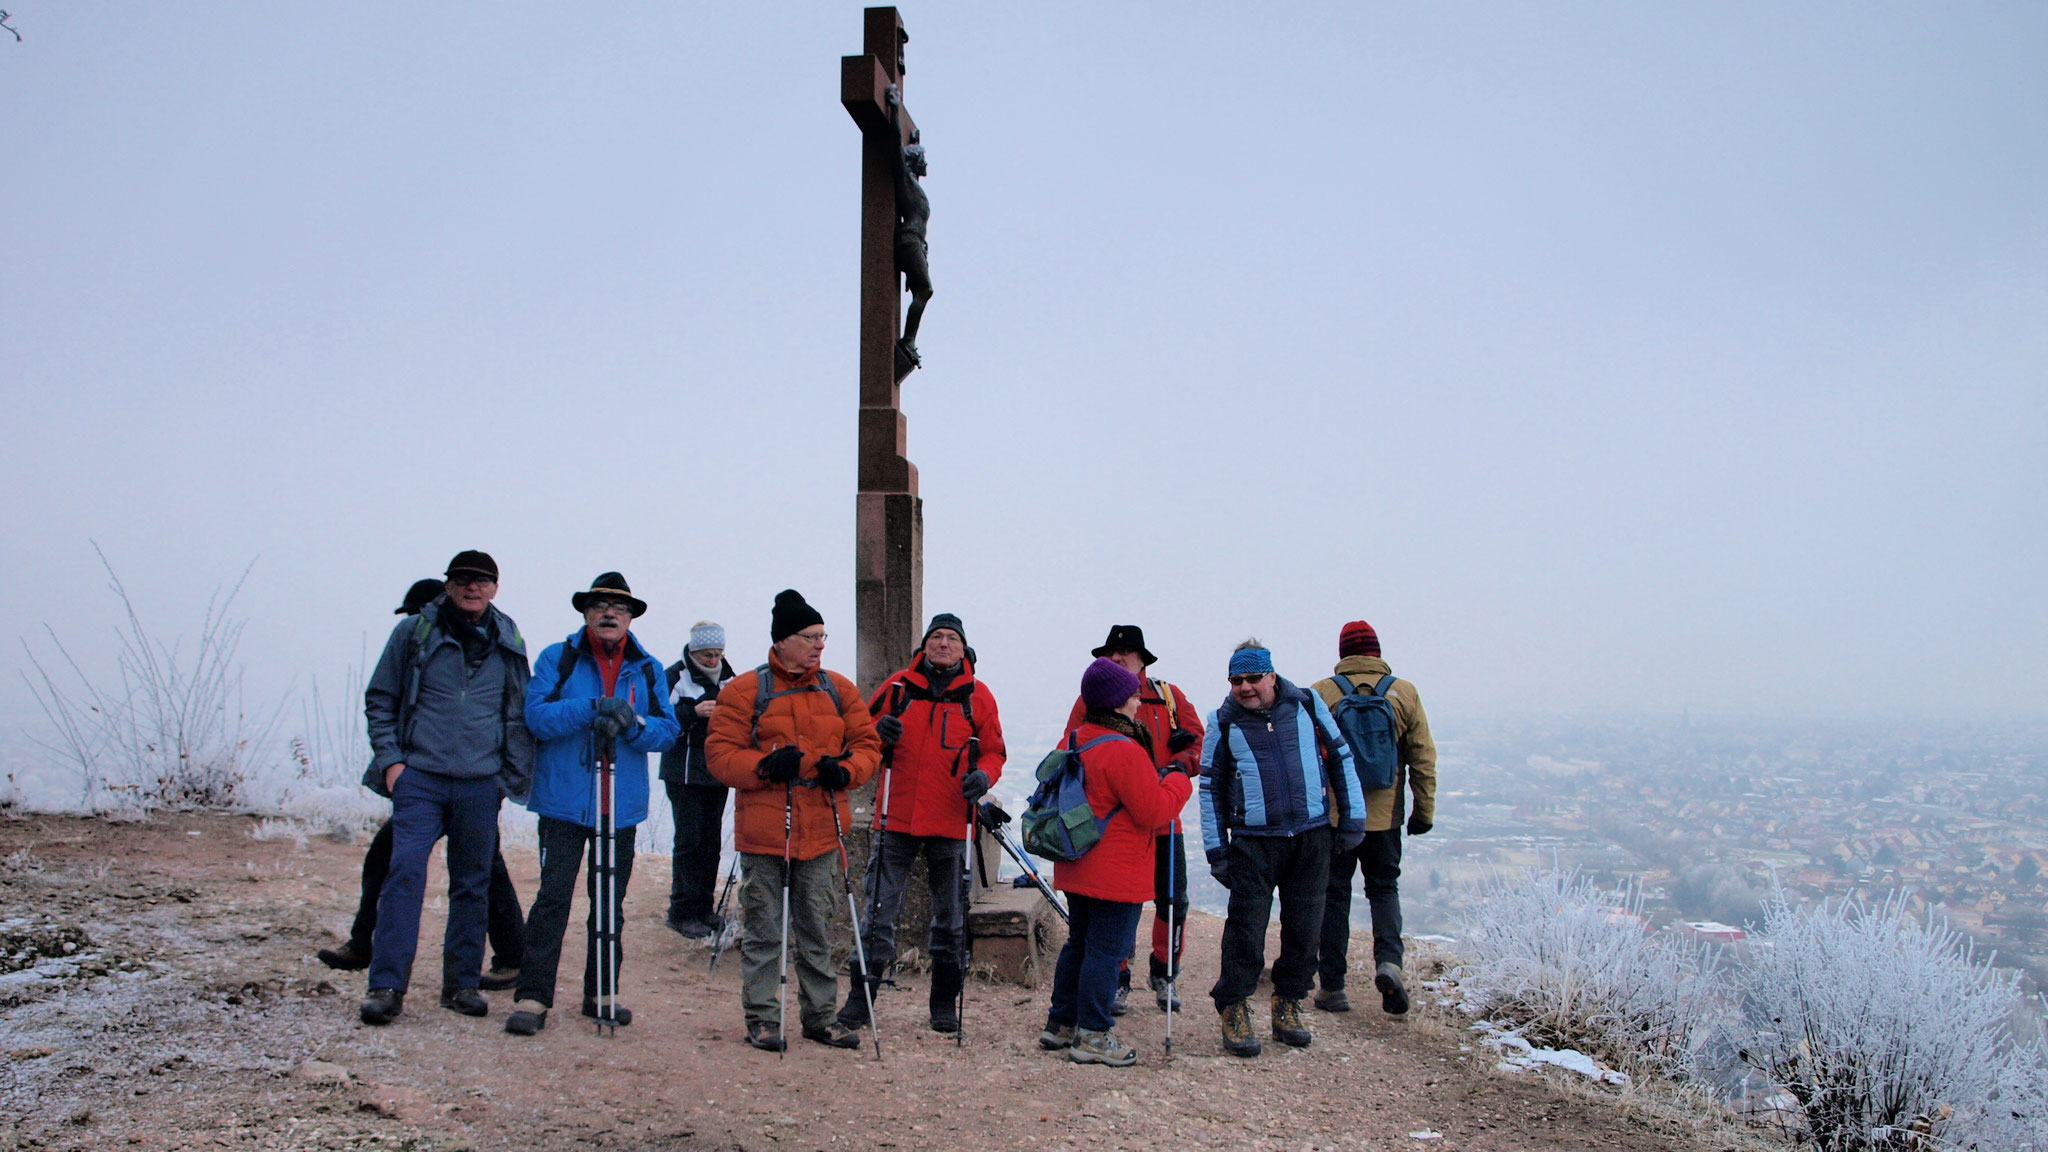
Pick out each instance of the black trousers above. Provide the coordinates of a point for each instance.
(1299, 868)
(1379, 858)
(693, 879)
(562, 846)
(507, 926)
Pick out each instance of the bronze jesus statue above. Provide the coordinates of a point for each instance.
(913, 209)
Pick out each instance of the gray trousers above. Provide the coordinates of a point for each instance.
(944, 858)
(814, 893)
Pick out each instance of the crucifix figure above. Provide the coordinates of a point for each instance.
(913, 208)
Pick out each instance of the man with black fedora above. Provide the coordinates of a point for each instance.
(597, 686)
(1175, 728)
(446, 712)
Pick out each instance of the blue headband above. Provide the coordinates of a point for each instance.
(1246, 660)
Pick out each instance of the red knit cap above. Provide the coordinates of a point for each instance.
(1358, 639)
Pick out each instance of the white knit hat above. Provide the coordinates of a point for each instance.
(705, 634)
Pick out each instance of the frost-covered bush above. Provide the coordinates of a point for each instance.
(1891, 1032)
(1574, 968)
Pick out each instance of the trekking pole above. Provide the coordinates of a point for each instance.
(603, 849)
(966, 941)
(724, 902)
(860, 950)
(782, 992)
(994, 823)
(1172, 953)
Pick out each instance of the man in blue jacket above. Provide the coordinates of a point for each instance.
(1278, 787)
(597, 685)
(448, 742)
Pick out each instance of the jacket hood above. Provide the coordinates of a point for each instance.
(915, 674)
(1356, 666)
(1283, 692)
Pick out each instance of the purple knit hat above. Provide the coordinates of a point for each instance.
(1107, 684)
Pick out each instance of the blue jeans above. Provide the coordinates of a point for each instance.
(425, 807)
(1100, 935)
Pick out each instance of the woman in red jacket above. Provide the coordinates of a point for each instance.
(1108, 887)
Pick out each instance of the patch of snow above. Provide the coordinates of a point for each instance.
(1519, 1055)
(1426, 1134)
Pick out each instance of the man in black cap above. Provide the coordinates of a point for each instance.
(597, 692)
(448, 738)
(507, 924)
(1176, 730)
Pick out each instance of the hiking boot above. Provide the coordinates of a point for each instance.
(1288, 1026)
(499, 978)
(1237, 1029)
(526, 1023)
(1333, 1000)
(344, 958)
(765, 1036)
(945, 999)
(1122, 1003)
(690, 926)
(1393, 990)
(620, 1016)
(1163, 990)
(834, 1035)
(467, 1001)
(382, 1005)
(1056, 1037)
(1100, 1048)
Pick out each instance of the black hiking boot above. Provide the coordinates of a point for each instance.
(690, 927)
(467, 1001)
(382, 1005)
(833, 1035)
(1393, 990)
(527, 1017)
(945, 1001)
(1333, 1000)
(1237, 1029)
(1165, 994)
(765, 1036)
(621, 1016)
(499, 978)
(344, 958)
(1288, 1026)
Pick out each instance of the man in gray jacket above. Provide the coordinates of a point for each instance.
(446, 709)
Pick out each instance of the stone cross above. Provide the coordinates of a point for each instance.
(889, 515)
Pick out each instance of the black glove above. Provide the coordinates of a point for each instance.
(1349, 841)
(889, 728)
(974, 785)
(992, 815)
(780, 766)
(832, 773)
(1180, 741)
(1219, 865)
(615, 717)
(1417, 825)
(1187, 766)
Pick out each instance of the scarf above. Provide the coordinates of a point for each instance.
(1122, 725)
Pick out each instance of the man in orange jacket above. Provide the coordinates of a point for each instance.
(1175, 730)
(944, 751)
(791, 739)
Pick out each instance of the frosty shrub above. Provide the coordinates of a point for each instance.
(171, 730)
(1574, 968)
(1891, 1032)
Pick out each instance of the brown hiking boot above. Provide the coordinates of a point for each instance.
(1237, 1029)
(1393, 990)
(1288, 1026)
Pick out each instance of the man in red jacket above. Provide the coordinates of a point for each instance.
(1175, 727)
(942, 750)
(1106, 886)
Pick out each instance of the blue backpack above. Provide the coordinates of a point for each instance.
(1058, 823)
(1367, 721)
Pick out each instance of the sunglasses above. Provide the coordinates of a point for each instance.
(1247, 678)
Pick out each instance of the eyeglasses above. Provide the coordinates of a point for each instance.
(1247, 678)
(609, 606)
(810, 639)
(465, 580)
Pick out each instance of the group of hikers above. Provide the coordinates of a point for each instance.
(1298, 789)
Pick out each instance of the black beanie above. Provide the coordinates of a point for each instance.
(791, 615)
(947, 621)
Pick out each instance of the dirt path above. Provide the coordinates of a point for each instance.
(196, 1005)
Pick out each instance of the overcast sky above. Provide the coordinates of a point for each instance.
(1605, 357)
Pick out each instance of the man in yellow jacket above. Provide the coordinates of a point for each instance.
(1379, 855)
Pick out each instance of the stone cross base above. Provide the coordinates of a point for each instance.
(1016, 934)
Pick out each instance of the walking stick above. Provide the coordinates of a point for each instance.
(782, 992)
(860, 951)
(724, 902)
(604, 859)
(1172, 953)
(993, 818)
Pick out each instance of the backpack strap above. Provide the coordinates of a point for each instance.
(1344, 682)
(764, 691)
(1386, 683)
(1165, 691)
(565, 664)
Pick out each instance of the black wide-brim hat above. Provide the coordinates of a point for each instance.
(1126, 638)
(609, 586)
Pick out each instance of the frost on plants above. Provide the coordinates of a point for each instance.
(1573, 967)
(1891, 1032)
